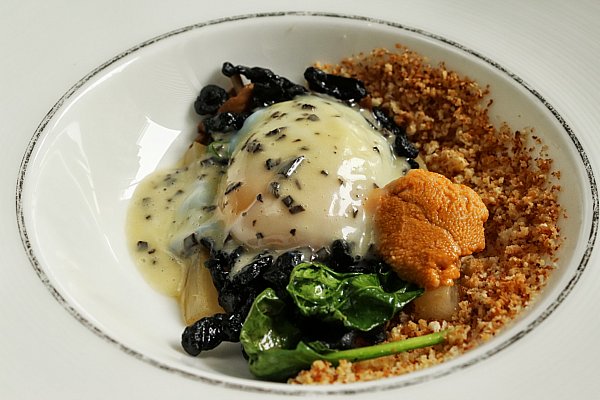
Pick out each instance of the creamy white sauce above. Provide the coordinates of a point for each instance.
(299, 174)
(340, 158)
(164, 206)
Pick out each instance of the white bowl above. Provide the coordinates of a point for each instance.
(134, 114)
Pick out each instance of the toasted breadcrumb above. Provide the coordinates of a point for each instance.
(446, 116)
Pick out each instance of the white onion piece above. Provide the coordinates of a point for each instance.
(199, 298)
(439, 303)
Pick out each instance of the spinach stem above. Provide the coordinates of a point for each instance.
(386, 349)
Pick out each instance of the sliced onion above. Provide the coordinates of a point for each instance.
(199, 297)
(439, 303)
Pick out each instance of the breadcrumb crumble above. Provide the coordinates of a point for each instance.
(446, 116)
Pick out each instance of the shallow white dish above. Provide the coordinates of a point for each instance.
(134, 114)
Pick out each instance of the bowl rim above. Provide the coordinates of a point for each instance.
(275, 388)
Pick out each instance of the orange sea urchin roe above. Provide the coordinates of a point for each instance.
(424, 223)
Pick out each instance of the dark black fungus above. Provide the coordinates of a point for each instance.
(322, 255)
(347, 341)
(402, 146)
(268, 87)
(253, 270)
(355, 338)
(224, 122)
(335, 336)
(341, 258)
(219, 266)
(369, 264)
(238, 293)
(263, 95)
(142, 246)
(219, 263)
(340, 87)
(278, 274)
(254, 74)
(377, 335)
(209, 100)
(413, 163)
(236, 253)
(209, 332)
(383, 119)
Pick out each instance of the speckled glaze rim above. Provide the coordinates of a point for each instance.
(282, 388)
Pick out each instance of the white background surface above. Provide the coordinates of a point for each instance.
(47, 46)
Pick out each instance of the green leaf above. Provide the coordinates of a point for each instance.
(280, 364)
(273, 342)
(358, 301)
(268, 325)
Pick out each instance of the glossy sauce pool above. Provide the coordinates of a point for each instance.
(298, 175)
